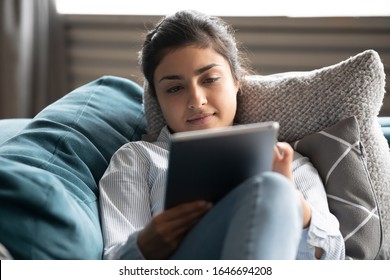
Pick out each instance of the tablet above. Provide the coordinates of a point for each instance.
(207, 164)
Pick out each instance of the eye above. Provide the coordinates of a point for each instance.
(174, 89)
(211, 80)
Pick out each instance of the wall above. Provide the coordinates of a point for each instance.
(108, 45)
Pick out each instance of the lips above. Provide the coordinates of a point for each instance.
(200, 119)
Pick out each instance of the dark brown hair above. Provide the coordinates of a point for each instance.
(187, 28)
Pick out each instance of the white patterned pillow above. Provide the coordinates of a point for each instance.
(340, 159)
(309, 101)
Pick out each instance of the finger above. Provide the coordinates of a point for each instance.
(185, 220)
(174, 219)
(173, 231)
(276, 153)
(180, 232)
(185, 209)
(285, 151)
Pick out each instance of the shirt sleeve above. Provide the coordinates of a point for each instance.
(124, 204)
(323, 230)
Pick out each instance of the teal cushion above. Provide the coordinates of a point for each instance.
(11, 127)
(384, 121)
(386, 132)
(49, 172)
(385, 125)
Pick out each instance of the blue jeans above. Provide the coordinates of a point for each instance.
(260, 219)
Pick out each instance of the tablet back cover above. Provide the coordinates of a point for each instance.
(207, 164)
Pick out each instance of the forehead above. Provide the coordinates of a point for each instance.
(189, 58)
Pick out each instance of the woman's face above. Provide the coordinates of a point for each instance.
(195, 89)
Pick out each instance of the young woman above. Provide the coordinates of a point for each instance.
(192, 65)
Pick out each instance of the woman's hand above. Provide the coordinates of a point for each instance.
(166, 230)
(283, 157)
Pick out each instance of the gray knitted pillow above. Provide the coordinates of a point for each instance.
(309, 101)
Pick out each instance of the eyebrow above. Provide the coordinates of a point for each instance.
(196, 72)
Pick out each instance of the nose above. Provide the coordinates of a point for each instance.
(196, 98)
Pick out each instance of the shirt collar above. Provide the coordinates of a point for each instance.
(164, 135)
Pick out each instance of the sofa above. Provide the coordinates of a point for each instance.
(50, 165)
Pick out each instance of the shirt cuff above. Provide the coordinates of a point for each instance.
(128, 250)
(317, 235)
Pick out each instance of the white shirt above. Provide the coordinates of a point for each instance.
(132, 192)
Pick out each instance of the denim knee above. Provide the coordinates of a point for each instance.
(277, 189)
(266, 218)
(254, 221)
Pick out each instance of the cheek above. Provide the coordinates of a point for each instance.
(170, 108)
(165, 107)
(231, 102)
(231, 97)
